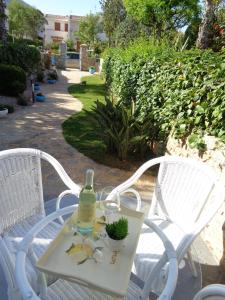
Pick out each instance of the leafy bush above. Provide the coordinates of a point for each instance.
(12, 80)
(122, 134)
(122, 67)
(70, 45)
(182, 92)
(21, 54)
(22, 101)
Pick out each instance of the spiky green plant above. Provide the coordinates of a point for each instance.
(117, 230)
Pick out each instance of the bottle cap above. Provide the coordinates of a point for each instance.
(89, 177)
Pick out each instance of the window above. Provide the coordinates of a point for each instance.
(57, 26)
(66, 27)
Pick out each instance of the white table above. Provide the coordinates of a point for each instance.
(108, 277)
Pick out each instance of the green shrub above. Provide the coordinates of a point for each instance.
(21, 54)
(22, 101)
(185, 95)
(12, 80)
(178, 92)
(120, 131)
(122, 67)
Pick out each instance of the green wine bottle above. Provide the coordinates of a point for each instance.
(87, 205)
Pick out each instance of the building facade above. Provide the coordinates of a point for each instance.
(61, 28)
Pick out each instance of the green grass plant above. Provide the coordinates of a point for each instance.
(78, 129)
(117, 230)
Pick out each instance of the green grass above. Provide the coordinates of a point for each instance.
(78, 130)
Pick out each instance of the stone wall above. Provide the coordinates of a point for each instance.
(60, 61)
(215, 157)
(73, 63)
(86, 61)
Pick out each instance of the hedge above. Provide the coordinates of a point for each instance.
(21, 54)
(179, 91)
(12, 80)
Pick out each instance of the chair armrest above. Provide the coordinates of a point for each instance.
(136, 194)
(58, 202)
(168, 256)
(20, 272)
(211, 291)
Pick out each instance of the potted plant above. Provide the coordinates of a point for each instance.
(3, 111)
(92, 70)
(117, 232)
(39, 97)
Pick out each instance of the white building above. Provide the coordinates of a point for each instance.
(61, 28)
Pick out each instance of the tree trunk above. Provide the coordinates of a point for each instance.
(206, 30)
(3, 33)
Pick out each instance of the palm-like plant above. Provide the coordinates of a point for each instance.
(2, 21)
(114, 125)
(119, 129)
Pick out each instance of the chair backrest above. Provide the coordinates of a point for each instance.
(21, 193)
(211, 292)
(183, 188)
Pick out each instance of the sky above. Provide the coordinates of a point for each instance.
(66, 7)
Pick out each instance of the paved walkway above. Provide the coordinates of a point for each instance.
(39, 126)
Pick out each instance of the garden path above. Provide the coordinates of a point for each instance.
(39, 126)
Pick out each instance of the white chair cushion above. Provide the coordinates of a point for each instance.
(64, 290)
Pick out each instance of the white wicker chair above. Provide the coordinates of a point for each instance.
(187, 195)
(211, 292)
(22, 206)
(64, 290)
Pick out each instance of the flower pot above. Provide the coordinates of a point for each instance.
(3, 112)
(40, 98)
(92, 70)
(51, 81)
(116, 245)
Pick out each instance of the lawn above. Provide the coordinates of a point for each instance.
(78, 130)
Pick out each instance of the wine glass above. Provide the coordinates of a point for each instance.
(110, 206)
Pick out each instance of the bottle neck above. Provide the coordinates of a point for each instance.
(89, 179)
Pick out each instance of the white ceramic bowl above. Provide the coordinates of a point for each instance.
(3, 113)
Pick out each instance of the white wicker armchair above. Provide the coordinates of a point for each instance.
(22, 206)
(211, 292)
(64, 290)
(187, 195)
